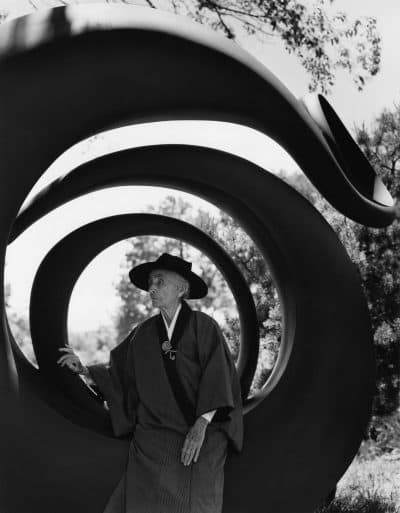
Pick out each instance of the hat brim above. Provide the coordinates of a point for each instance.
(139, 276)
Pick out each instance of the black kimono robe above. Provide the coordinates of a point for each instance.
(156, 400)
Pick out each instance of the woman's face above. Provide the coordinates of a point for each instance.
(164, 289)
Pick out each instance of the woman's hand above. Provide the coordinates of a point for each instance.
(193, 441)
(72, 361)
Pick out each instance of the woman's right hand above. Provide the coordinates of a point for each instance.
(71, 360)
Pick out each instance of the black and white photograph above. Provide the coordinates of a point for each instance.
(200, 235)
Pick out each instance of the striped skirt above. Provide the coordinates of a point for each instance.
(157, 482)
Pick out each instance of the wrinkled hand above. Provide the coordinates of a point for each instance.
(193, 441)
(71, 360)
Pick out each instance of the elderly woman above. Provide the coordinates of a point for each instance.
(171, 385)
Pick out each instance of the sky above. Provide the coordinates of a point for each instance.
(94, 300)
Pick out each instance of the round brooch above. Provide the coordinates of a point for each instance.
(166, 346)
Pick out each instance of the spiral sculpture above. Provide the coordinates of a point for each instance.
(303, 429)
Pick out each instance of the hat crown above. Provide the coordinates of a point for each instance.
(173, 261)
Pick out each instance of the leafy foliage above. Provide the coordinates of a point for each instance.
(94, 346)
(230, 235)
(20, 329)
(381, 145)
(136, 305)
(381, 247)
(375, 252)
(324, 40)
(219, 301)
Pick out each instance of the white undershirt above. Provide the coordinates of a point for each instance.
(170, 330)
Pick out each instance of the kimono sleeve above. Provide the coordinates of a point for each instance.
(219, 386)
(116, 382)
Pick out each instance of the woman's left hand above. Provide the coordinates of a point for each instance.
(193, 441)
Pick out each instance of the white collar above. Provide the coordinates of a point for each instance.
(170, 328)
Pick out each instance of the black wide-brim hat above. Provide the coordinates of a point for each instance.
(139, 275)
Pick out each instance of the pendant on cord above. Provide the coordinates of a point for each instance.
(167, 348)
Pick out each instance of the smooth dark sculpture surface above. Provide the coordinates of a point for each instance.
(92, 239)
(304, 428)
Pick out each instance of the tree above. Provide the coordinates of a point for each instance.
(94, 346)
(231, 236)
(375, 252)
(322, 39)
(136, 305)
(219, 301)
(19, 327)
(381, 145)
(381, 276)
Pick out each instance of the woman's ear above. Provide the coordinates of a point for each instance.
(180, 291)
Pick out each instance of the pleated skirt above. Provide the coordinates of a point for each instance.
(157, 482)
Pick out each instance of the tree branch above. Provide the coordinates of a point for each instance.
(215, 6)
(229, 33)
(385, 166)
(252, 26)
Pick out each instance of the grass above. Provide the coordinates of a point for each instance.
(369, 486)
(360, 504)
